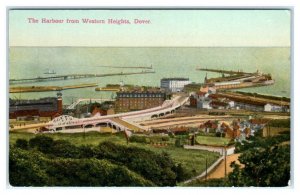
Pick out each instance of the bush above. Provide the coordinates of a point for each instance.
(42, 143)
(171, 135)
(178, 143)
(60, 163)
(261, 142)
(86, 151)
(182, 173)
(22, 143)
(63, 148)
(263, 167)
(32, 168)
(157, 168)
(93, 172)
(26, 168)
(138, 139)
(165, 138)
(220, 182)
(285, 123)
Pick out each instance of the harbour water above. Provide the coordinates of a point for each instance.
(30, 62)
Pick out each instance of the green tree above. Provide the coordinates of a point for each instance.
(181, 173)
(26, 168)
(263, 167)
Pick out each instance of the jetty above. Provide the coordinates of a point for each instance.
(72, 76)
(106, 89)
(236, 79)
(230, 72)
(22, 89)
(142, 67)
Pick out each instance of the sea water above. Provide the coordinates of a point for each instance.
(31, 62)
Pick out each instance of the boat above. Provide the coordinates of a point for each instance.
(50, 72)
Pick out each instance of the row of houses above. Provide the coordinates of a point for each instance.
(237, 129)
(208, 99)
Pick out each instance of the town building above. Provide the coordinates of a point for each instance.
(244, 103)
(138, 100)
(249, 105)
(202, 99)
(102, 112)
(44, 107)
(275, 108)
(174, 84)
(219, 104)
(210, 126)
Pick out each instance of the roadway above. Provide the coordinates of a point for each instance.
(128, 118)
(187, 121)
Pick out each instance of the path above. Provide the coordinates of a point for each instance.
(219, 171)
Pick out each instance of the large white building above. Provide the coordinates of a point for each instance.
(174, 84)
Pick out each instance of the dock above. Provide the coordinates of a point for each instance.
(73, 76)
(230, 72)
(23, 89)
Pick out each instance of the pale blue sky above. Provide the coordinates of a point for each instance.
(195, 28)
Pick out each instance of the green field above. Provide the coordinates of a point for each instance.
(192, 160)
(215, 141)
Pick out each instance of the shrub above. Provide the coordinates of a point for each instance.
(63, 148)
(138, 139)
(42, 143)
(263, 167)
(32, 168)
(86, 151)
(22, 143)
(157, 168)
(286, 123)
(165, 138)
(26, 168)
(178, 143)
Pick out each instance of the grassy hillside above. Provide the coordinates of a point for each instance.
(193, 161)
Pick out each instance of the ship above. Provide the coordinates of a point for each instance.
(50, 72)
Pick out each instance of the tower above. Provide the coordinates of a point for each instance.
(59, 103)
(122, 85)
(205, 79)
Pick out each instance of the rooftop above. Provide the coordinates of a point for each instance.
(154, 90)
(175, 79)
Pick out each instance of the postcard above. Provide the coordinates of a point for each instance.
(148, 97)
